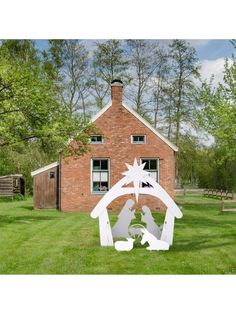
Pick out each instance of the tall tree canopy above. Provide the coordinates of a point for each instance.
(183, 72)
(30, 111)
(143, 63)
(218, 115)
(109, 63)
(69, 59)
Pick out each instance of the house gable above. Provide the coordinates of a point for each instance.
(138, 117)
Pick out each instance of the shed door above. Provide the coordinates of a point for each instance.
(46, 189)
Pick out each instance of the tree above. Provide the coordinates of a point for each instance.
(108, 64)
(218, 114)
(218, 117)
(20, 50)
(162, 93)
(21, 158)
(212, 174)
(188, 159)
(184, 70)
(30, 111)
(70, 59)
(143, 62)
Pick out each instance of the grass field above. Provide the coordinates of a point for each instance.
(50, 242)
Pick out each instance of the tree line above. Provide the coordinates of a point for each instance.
(48, 96)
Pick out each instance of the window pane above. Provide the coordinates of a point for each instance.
(104, 164)
(52, 175)
(96, 186)
(144, 185)
(153, 164)
(96, 164)
(104, 186)
(93, 139)
(104, 176)
(153, 175)
(146, 161)
(96, 176)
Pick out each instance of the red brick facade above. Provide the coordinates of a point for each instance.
(117, 125)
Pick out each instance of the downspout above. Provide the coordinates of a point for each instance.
(59, 187)
(175, 177)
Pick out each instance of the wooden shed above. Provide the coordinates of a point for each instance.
(11, 185)
(46, 186)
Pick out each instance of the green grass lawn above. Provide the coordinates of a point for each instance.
(50, 242)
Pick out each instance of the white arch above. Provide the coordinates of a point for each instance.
(137, 175)
(117, 190)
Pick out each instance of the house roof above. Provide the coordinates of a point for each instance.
(141, 119)
(45, 168)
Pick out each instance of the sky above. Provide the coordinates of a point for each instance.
(211, 55)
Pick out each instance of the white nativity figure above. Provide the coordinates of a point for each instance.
(150, 222)
(154, 243)
(137, 176)
(135, 230)
(124, 245)
(121, 227)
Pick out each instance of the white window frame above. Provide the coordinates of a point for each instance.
(138, 143)
(91, 176)
(96, 143)
(158, 165)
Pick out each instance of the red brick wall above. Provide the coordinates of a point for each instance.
(117, 125)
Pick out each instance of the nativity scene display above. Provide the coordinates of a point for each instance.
(157, 237)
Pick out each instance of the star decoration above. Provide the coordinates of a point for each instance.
(136, 174)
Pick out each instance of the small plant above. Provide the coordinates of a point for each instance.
(19, 197)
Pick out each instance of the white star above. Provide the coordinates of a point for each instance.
(136, 174)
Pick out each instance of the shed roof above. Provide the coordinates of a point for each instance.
(11, 175)
(45, 168)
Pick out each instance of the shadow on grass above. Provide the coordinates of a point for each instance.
(5, 219)
(193, 222)
(199, 245)
(30, 207)
(189, 203)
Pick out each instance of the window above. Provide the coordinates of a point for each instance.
(152, 166)
(96, 139)
(52, 175)
(100, 175)
(138, 139)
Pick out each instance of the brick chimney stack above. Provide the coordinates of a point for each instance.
(116, 92)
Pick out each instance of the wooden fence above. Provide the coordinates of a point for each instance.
(230, 208)
(222, 194)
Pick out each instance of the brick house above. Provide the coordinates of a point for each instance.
(123, 136)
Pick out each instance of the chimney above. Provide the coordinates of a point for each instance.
(116, 92)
